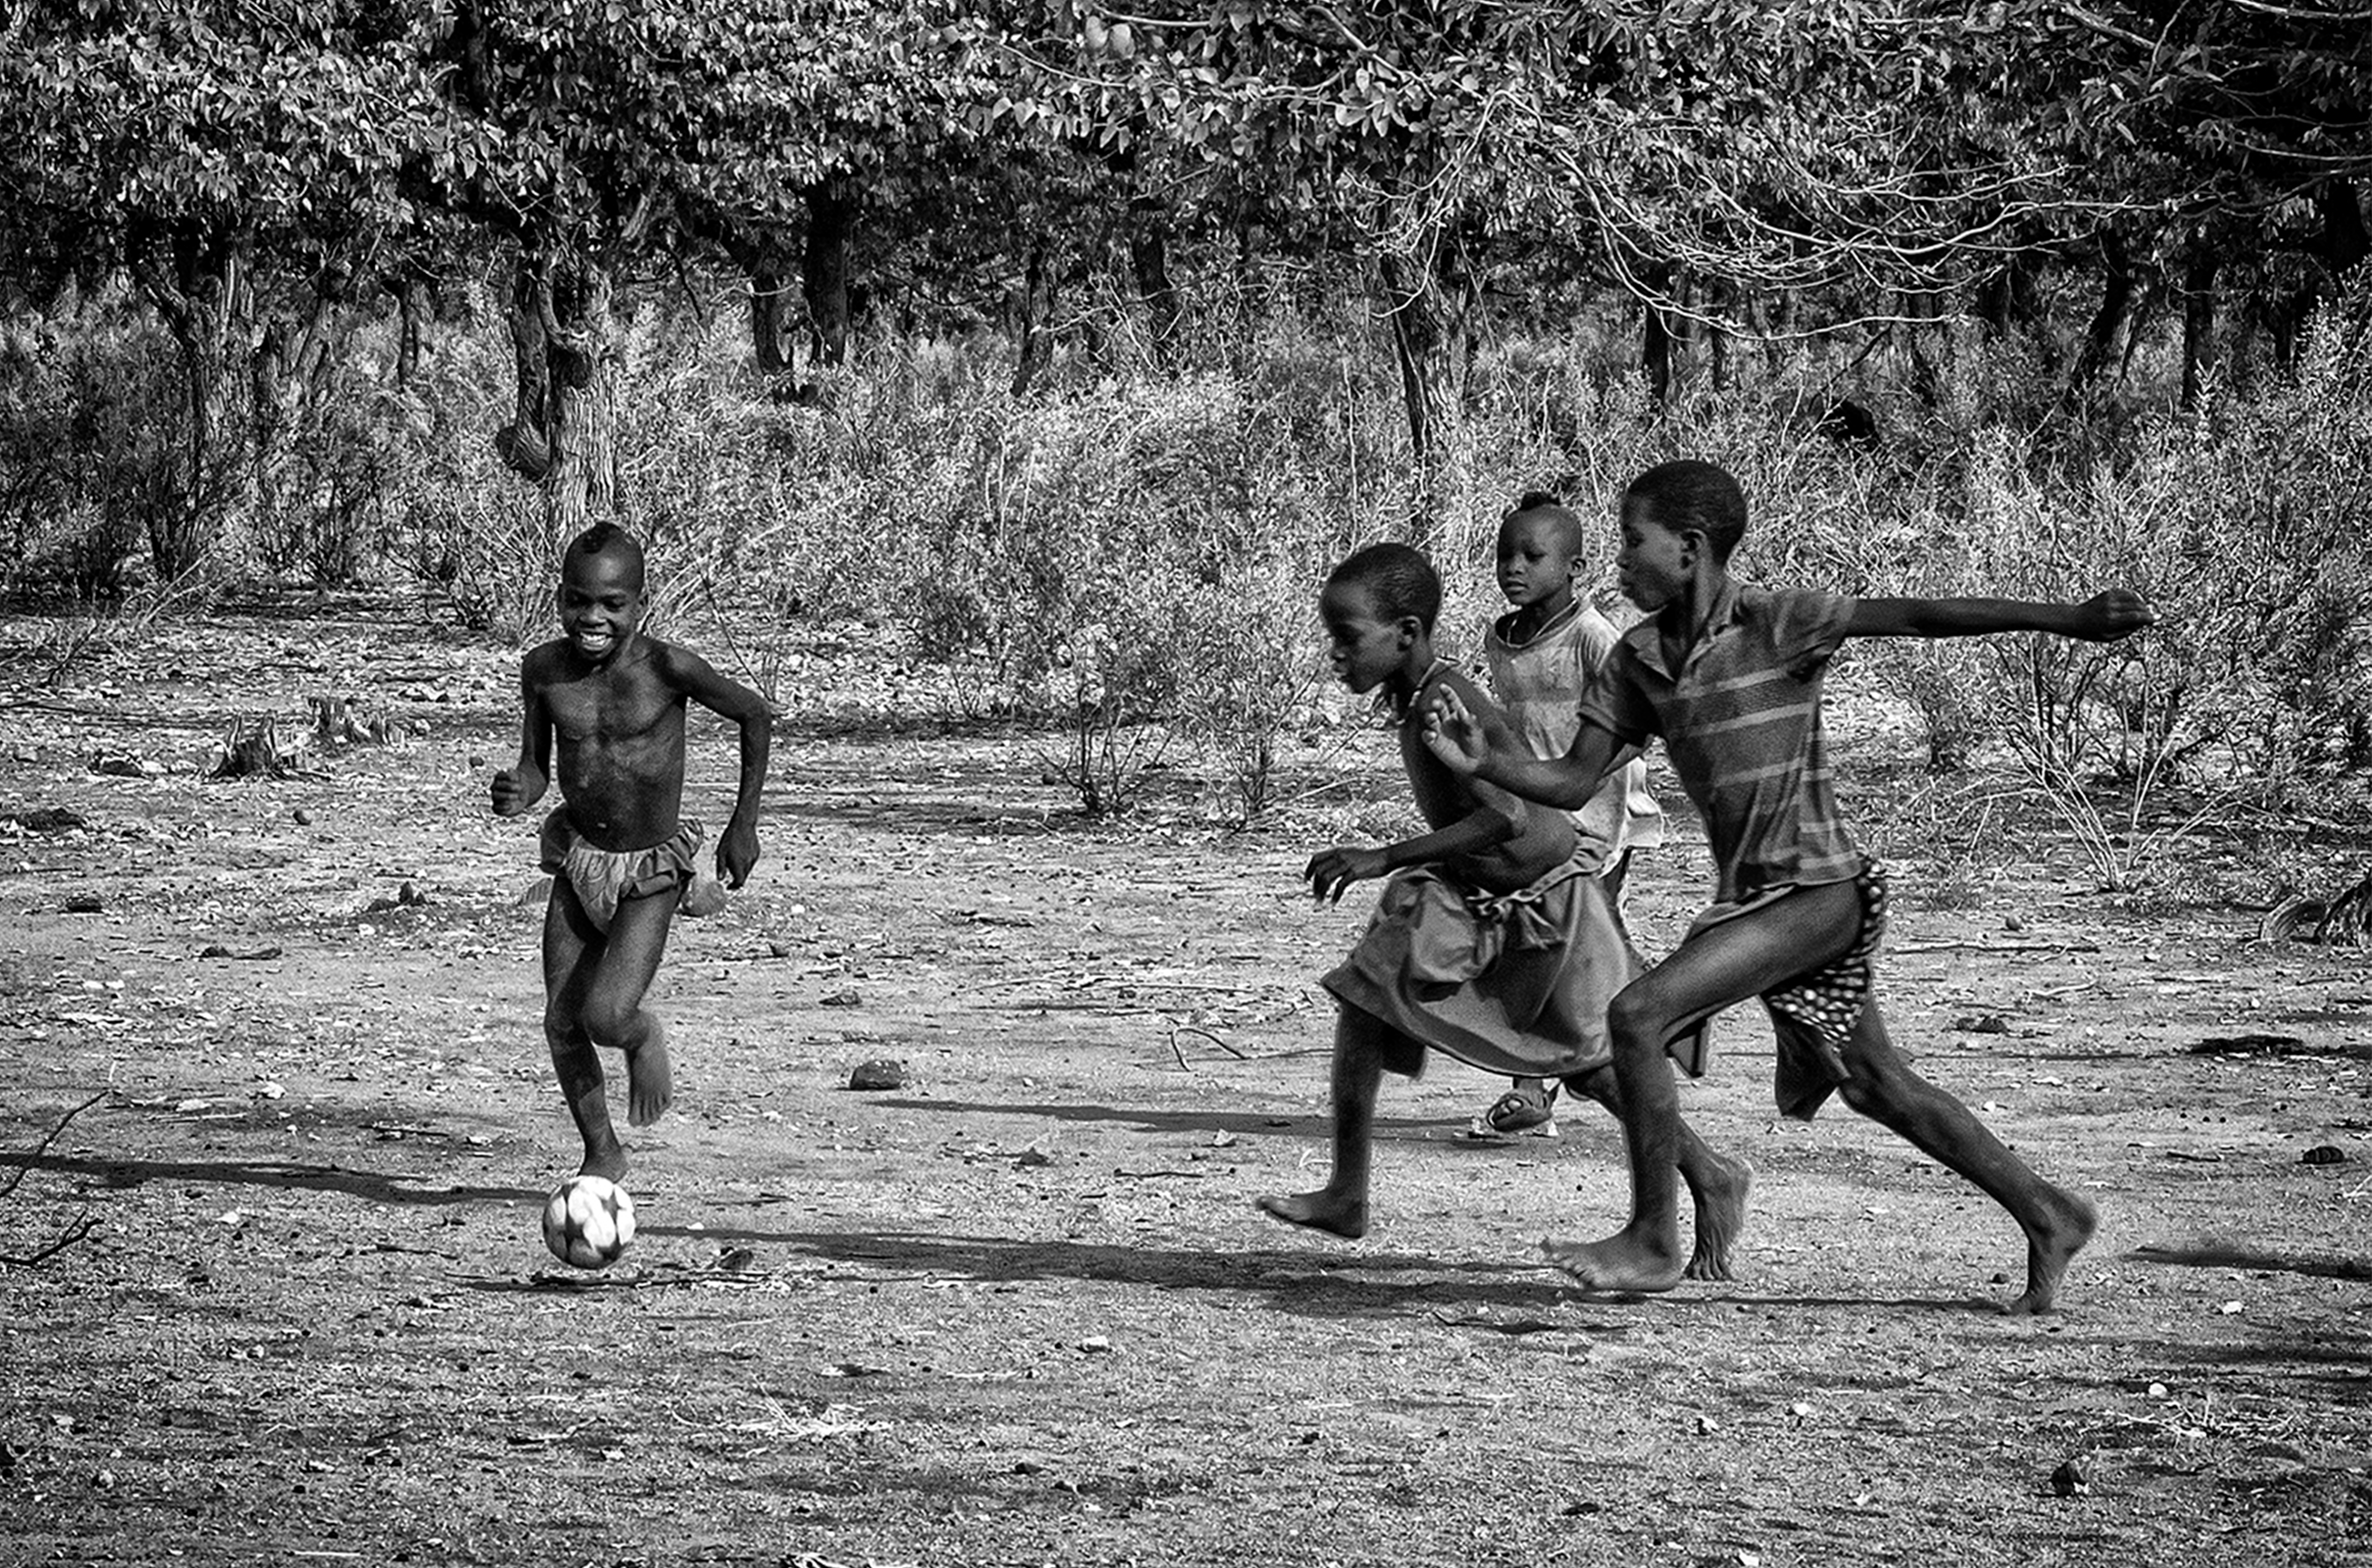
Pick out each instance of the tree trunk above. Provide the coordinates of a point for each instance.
(1657, 345)
(202, 293)
(412, 307)
(1148, 261)
(2199, 264)
(2108, 326)
(566, 432)
(769, 297)
(1430, 309)
(831, 230)
(1037, 348)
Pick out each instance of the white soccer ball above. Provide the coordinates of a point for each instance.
(588, 1221)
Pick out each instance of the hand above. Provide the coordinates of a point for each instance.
(1464, 740)
(1330, 871)
(736, 853)
(510, 796)
(2105, 617)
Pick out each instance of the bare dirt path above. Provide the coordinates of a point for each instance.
(1020, 1310)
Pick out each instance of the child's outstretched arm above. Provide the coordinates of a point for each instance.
(520, 786)
(737, 846)
(2103, 618)
(1481, 745)
(1495, 820)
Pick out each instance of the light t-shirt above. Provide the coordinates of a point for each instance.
(1540, 684)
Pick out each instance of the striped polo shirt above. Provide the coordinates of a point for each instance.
(1741, 723)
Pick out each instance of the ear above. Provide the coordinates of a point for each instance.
(1411, 629)
(1695, 548)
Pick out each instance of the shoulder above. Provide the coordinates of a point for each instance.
(674, 662)
(544, 662)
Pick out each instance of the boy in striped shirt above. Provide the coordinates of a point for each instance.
(1729, 675)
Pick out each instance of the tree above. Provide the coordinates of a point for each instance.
(239, 163)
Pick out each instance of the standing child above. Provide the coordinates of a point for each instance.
(1542, 654)
(1729, 675)
(1492, 941)
(620, 852)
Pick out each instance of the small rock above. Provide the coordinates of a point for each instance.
(1222, 1140)
(847, 998)
(2072, 1480)
(2321, 1154)
(779, 950)
(83, 904)
(2157, 1390)
(2230, 1309)
(882, 1072)
(1095, 1344)
(2011, 922)
(303, 817)
(1033, 1155)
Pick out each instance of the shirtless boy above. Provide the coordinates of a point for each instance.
(620, 852)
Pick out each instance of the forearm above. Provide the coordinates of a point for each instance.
(1480, 830)
(1567, 782)
(757, 748)
(1964, 617)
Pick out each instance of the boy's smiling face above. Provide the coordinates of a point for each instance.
(1364, 648)
(600, 602)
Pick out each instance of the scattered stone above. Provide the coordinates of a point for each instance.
(304, 817)
(1095, 1344)
(779, 950)
(83, 904)
(882, 1072)
(2072, 1480)
(406, 897)
(216, 950)
(846, 998)
(1981, 1024)
(124, 765)
(2324, 1154)
(50, 819)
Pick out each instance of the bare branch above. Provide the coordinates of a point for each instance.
(44, 1146)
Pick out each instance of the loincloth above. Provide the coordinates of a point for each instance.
(604, 878)
(1815, 1014)
(1514, 983)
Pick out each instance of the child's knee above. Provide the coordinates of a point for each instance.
(564, 1031)
(1638, 1021)
(612, 1019)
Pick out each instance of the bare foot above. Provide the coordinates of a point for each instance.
(2067, 1226)
(650, 1078)
(1624, 1263)
(1322, 1210)
(1721, 1218)
(609, 1164)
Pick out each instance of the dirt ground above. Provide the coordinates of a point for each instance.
(1021, 1310)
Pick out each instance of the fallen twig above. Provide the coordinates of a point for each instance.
(83, 1226)
(44, 1146)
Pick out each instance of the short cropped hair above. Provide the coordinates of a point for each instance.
(1399, 579)
(606, 539)
(1549, 504)
(1691, 493)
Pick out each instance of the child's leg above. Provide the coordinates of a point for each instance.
(1885, 1088)
(572, 958)
(1364, 1047)
(1723, 964)
(1718, 1183)
(613, 1012)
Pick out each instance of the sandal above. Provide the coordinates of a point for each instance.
(1530, 1106)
